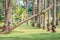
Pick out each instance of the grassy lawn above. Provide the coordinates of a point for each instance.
(27, 32)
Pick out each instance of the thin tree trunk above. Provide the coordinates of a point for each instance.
(49, 23)
(38, 11)
(54, 17)
(44, 15)
(57, 13)
(33, 12)
(27, 9)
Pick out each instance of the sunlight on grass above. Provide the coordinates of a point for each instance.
(27, 32)
(21, 32)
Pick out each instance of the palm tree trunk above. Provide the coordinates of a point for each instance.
(44, 15)
(33, 12)
(54, 16)
(38, 11)
(48, 25)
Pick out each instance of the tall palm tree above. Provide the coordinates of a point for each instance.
(38, 11)
(54, 16)
(48, 25)
(33, 12)
(44, 15)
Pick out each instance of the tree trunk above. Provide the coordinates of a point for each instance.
(27, 9)
(57, 9)
(54, 16)
(6, 27)
(38, 11)
(44, 15)
(33, 12)
(48, 25)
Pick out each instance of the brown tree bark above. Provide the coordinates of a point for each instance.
(38, 11)
(33, 12)
(54, 17)
(27, 9)
(6, 27)
(49, 23)
(44, 15)
(57, 9)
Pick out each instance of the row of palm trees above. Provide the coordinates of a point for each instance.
(7, 28)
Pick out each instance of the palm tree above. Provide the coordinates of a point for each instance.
(38, 11)
(48, 25)
(33, 12)
(44, 15)
(54, 16)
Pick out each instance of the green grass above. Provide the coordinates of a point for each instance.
(27, 32)
(31, 34)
